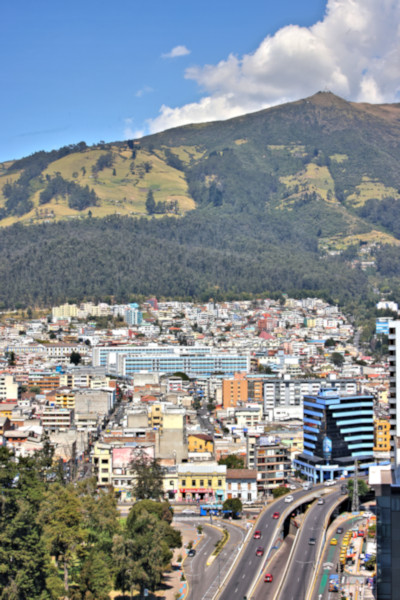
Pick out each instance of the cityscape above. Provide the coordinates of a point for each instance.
(199, 300)
(268, 423)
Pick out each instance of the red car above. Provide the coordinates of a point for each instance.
(268, 578)
(259, 551)
(275, 515)
(257, 534)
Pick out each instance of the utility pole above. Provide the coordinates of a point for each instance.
(355, 504)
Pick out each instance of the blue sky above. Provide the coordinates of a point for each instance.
(96, 70)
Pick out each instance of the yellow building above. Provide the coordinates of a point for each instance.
(63, 398)
(201, 481)
(102, 462)
(382, 436)
(200, 442)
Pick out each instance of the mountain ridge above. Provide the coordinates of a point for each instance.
(264, 202)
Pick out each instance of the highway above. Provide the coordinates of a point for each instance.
(305, 555)
(251, 566)
(204, 580)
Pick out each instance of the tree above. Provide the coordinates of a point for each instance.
(150, 203)
(337, 359)
(61, 516)
(75, 358)
(234, 506)
(279, 491)
(232, 461)
(329, 343)
(11, 358)
(148, 478)
(363, 488)
(141, 554)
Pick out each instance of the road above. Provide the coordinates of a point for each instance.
(251, 566)
(204, 580)
(305, 555)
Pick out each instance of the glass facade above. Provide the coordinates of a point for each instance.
(337, 431)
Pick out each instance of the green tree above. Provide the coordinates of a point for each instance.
(232, 461)
(279, 491)
(363, 488)
(141, 555)
(233, 505)
(337, 359)
(95, 577)
(147, 477)
(64, 535)
(75, 358)
(150, 203)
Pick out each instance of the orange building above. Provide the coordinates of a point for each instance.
(382, 436)
(234, 390)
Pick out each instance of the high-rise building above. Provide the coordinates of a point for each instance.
(386, 482)
(338, 430)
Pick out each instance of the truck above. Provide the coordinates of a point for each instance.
(333, 583)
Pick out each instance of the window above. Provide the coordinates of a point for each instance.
(201, 482)
(183, 482)
(209, 483)
(219, 482)
(171, 482)
(193, 483)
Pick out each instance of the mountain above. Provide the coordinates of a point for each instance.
(300, 198)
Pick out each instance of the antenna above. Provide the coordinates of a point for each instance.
(355, 503)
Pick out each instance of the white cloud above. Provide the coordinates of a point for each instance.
(129, 132)
(177, 51)
(354, 52)
(144, 90)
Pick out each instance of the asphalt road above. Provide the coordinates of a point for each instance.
(251, 566)
(203, 580)
(303, 562)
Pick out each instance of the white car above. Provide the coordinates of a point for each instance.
(289, 499)
(330, 482)
(292, 487)
(368, 515)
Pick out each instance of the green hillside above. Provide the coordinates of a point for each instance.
(268, 202)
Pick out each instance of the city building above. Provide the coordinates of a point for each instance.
(338, 430)
(234, 390)
(283, 396)
(386, 482)
(382, 436)
(242, 484)
(272, 463)
(9, 389)
(206, 481)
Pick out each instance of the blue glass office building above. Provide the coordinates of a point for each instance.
(338, 430)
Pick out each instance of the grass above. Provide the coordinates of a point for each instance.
(312, 179)
(370, 189)
(123, 193)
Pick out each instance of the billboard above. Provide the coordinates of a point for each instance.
(327, 448)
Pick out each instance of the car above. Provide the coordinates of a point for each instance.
(260, 551)
(257, 534)
(275, 515)
(333, 542)
(321, 501)
(289, 499)
(191, 552)
(339, 530)
(292, 487)
(368, 515)
(330, 482)
(312, 541)
(188, 511)
(268, 578)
